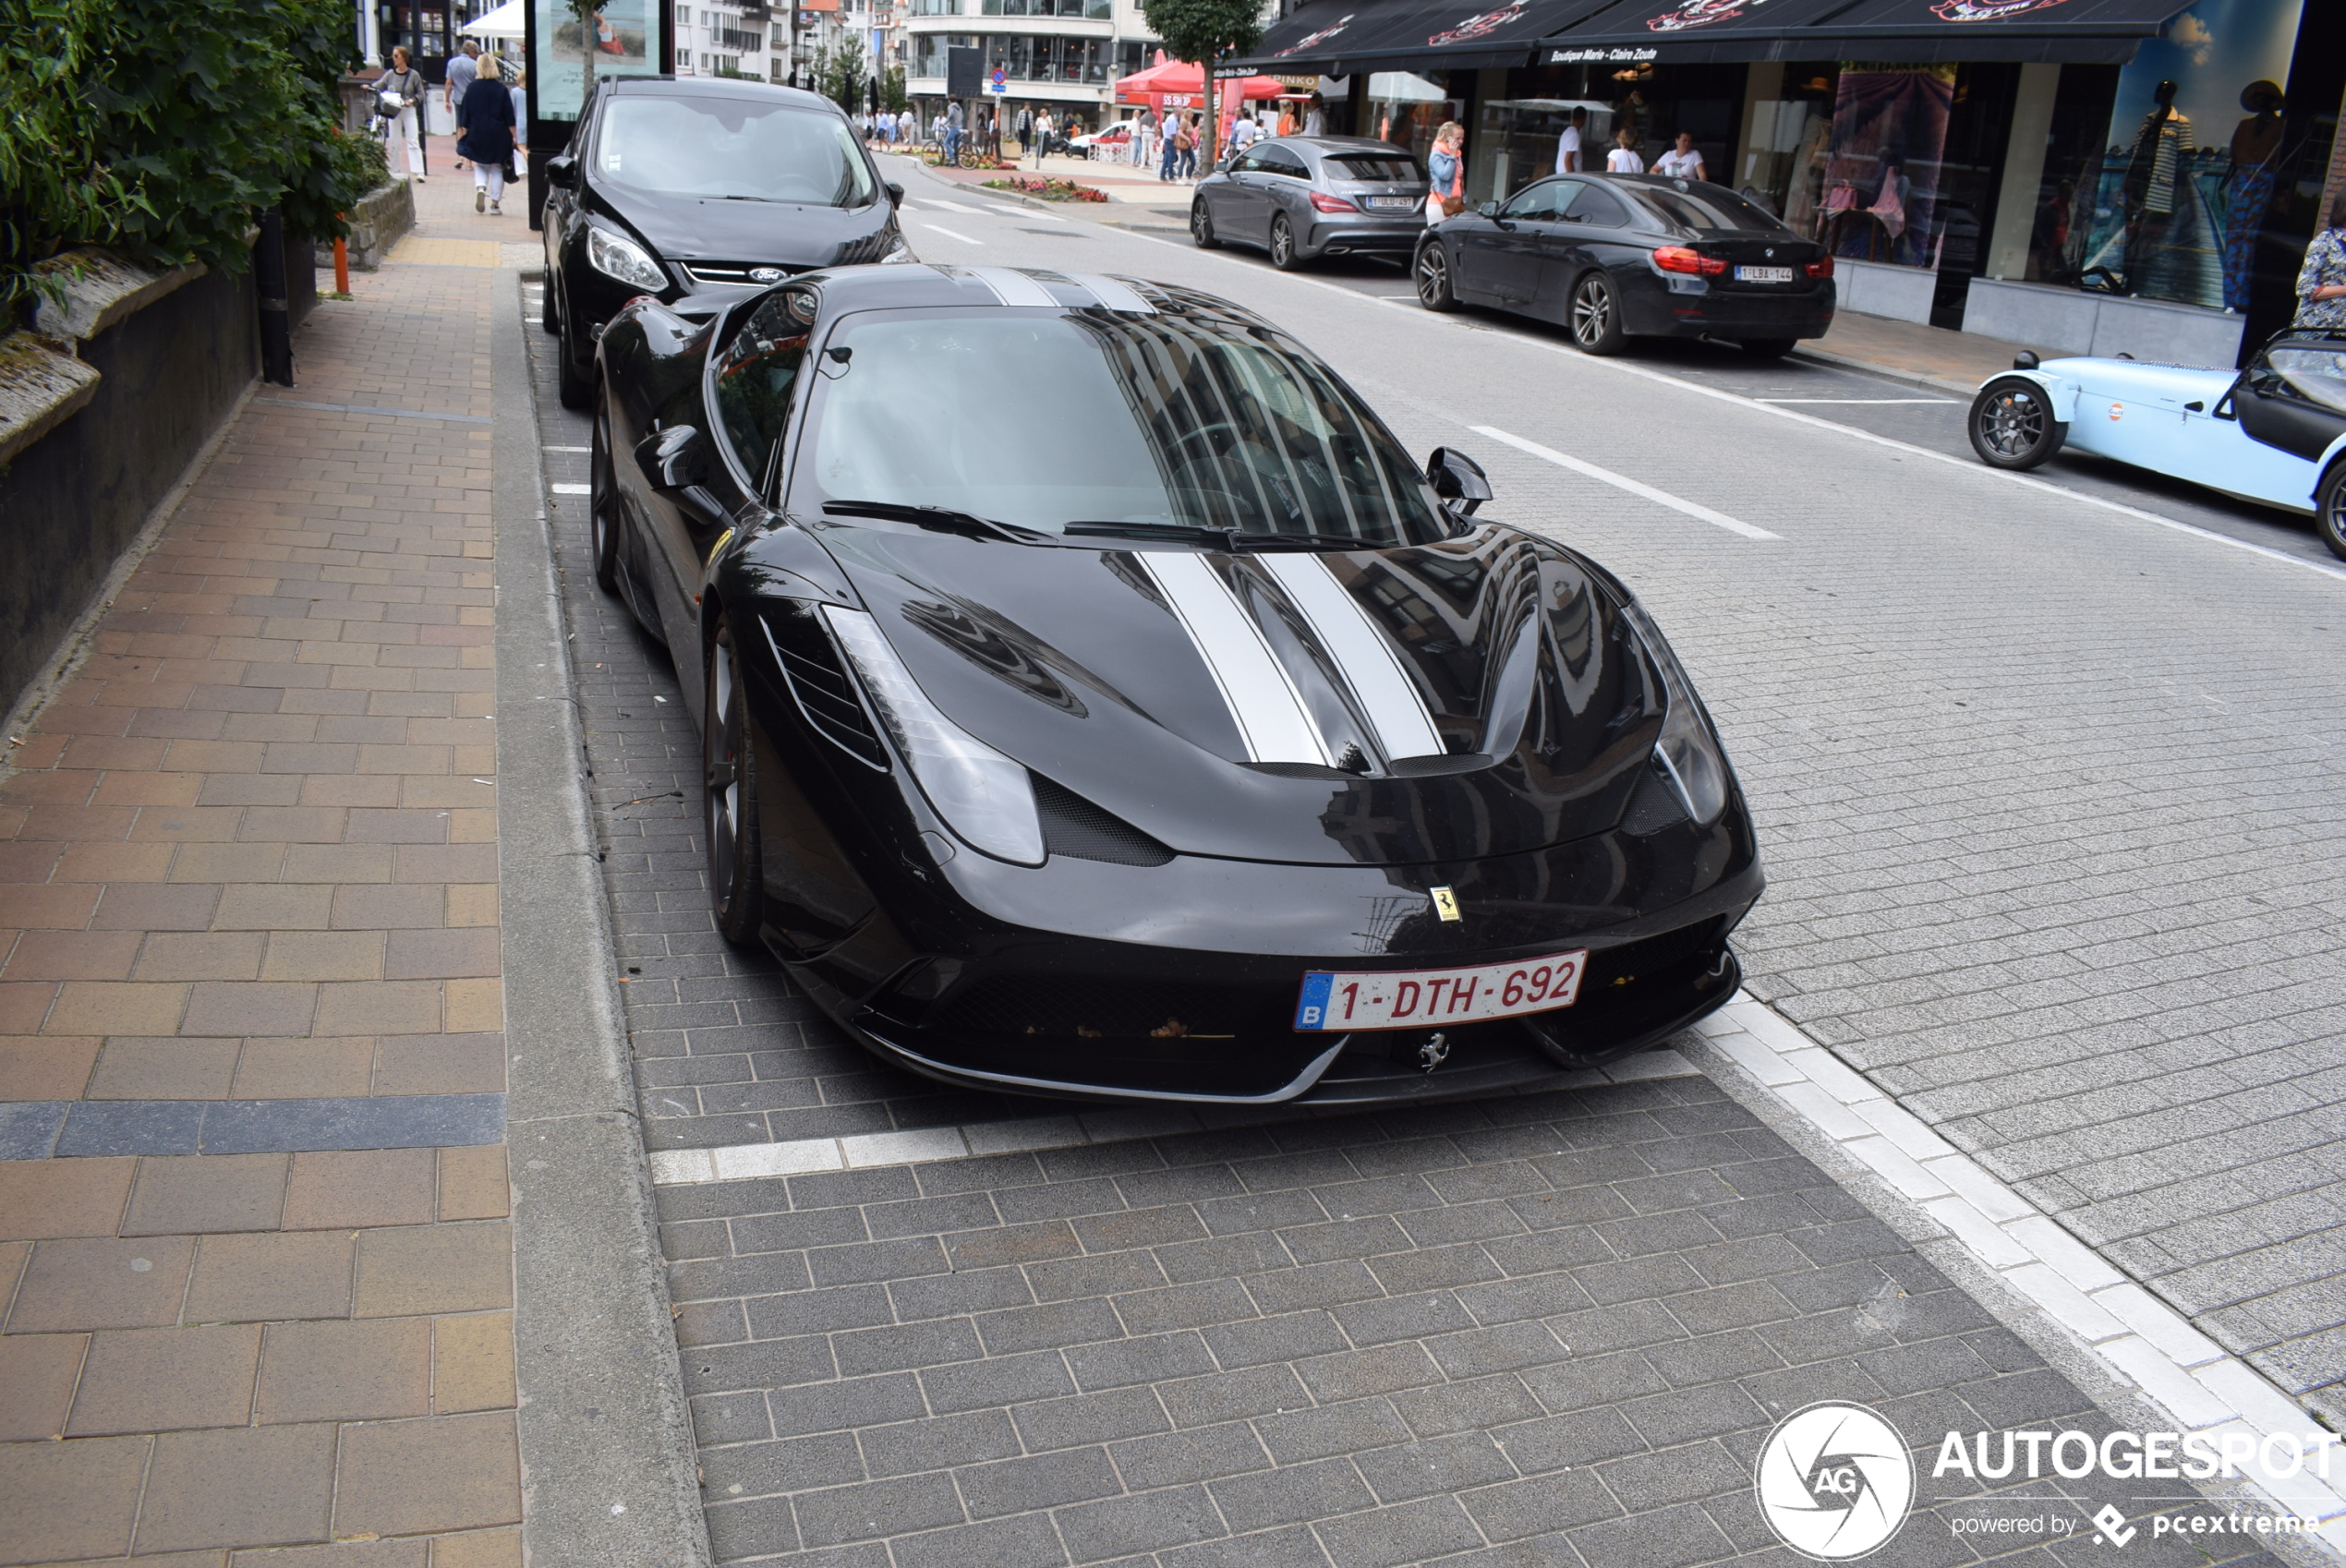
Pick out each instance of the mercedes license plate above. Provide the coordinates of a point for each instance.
(1393, 203)
(1334, 1002)
(1764, 274)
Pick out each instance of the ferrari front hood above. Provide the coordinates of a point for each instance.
(1478, 697)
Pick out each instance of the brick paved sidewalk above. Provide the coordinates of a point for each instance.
(254, 1260)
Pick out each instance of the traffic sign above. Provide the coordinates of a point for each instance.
(999, 81)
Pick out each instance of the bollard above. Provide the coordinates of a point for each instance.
(342, 259)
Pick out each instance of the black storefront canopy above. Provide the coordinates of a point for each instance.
(1336, 37)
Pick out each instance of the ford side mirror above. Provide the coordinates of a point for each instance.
(895, 194)
(1489, 209)
(561, 170)
(1457, 479)
(673, 459)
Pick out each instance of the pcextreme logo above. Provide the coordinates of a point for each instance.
(1834, 1481)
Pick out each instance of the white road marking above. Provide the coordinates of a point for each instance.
(572, 490)
(1943, 402)
(949, 206)
(1622, 481)
(1969, 465)
(566, 449)
(1026, 212)
(951, 234)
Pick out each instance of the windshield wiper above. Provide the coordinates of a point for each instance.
(1313, 541)
(943, 518)
(773, 200)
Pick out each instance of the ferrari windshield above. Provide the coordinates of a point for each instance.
(732, 149)
(1089, 423)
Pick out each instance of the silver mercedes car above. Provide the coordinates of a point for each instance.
(1304, 196)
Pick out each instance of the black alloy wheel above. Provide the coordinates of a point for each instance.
(603, 501)
(1431, 272)
(1201, 226)
(2329, 509)
(2011, 424)
(1768, 348)
(572, 381)
(1596, 317)
(729, 792)
(1283, 254)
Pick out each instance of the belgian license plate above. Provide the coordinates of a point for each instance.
(1334, 1002)
(1393, 203)
(1764, 274)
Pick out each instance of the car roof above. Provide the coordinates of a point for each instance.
(717, 86)
(1337, 145)
(915, 284)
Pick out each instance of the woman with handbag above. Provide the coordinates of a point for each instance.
(1447, 166)
(485, 127)
(404, 85)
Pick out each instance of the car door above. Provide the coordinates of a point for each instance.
(1499, 254)
(1590, 230)
(1286, 186)
(1241, 211)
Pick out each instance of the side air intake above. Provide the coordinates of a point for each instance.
(1074, 826)
(825, 694)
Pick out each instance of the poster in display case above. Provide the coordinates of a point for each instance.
(573, 42)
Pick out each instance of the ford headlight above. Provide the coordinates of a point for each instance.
(1688, 752)
(982, 795)
(900, 254)
(618, 256)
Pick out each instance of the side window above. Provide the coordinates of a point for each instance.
(756, 377)
(1594, 205)
(1537, 204)
(1279, 161)
(1248, 162)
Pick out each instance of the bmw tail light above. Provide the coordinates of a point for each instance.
(1326, 203)
(1820, 267)
(1679, 258)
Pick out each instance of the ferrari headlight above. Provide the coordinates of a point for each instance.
(618, 256)
(1688, 752)
(982, 795)
(902, 253)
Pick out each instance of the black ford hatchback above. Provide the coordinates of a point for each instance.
(1613, 257)
(699, 193)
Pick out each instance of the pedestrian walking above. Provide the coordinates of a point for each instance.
(464, 69)
(952, 132)
(1447, 167)
(406, 84)
(485, 134)
(517, 81)
(1042, 135)
(1624, 159)
(1315, 120)
(2321, 282)
(1682, 159)
(1193, 127)
(1569, 144)
(1025, 126)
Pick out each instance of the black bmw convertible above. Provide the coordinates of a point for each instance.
(1193, 744)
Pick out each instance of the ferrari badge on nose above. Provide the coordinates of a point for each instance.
(1446, 903)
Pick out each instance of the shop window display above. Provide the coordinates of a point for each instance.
(2196, 143)
(1407, 110)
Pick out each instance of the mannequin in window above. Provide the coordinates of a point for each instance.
(2248, 185)
(2155, 166)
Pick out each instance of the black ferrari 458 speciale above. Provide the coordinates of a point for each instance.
(1097, 701)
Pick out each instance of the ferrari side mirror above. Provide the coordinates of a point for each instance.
(561, 170)
(674, 459)
(895, 193)
(1456, 478)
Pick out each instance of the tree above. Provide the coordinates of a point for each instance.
(893, 97)
(589, 32)
(838, 73)
(1202, 31)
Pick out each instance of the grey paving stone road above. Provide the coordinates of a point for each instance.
(2044, 801)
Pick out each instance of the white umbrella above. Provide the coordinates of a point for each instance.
(508, 20)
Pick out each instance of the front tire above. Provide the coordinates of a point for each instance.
(603, 501)
(572, 384)
(1430, 272)
(2011, 424)
(1596, 317)
(1201, 226)
(2329, 509)
(552, 324)
(728, 795)
(1283, 254)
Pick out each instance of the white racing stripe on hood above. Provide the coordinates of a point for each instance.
(1273, 722)
(1114, 295)
(1013, 287)
(1389, 699)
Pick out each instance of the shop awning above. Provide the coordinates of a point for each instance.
(1338, 37)
(1915, 31)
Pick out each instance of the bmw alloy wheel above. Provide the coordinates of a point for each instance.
(1593, 325)
(1433, 272)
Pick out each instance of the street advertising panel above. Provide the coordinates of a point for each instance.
(575, 42)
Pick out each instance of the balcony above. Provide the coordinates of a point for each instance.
(736, 42)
